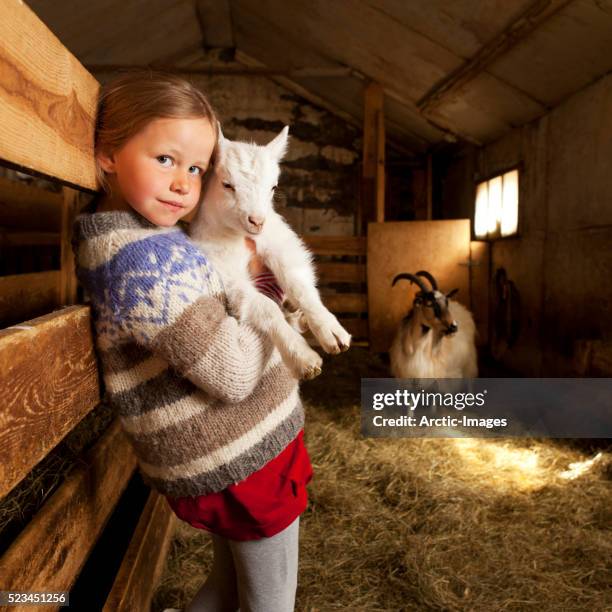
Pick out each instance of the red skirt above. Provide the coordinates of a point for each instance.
(260, 506)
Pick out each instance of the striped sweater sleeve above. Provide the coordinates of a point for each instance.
(163, 294)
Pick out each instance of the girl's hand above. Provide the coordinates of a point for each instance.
(256, 265)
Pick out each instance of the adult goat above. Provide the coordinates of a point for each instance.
(436, 339)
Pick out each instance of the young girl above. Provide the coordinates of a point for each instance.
(213, 414)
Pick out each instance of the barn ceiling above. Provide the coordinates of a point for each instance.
(464, 69)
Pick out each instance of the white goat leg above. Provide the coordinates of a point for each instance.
(265, 316)
(291, 262)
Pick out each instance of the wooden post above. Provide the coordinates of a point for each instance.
(373, 180)
(429, 187)
(68, 281)
(380, 166)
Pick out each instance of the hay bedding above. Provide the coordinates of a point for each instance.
(405, 525)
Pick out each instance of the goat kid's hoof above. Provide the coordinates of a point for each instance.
(311, 373)
(334, 339)
(308, 367)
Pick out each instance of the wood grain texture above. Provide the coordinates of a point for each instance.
(49, 554)
(23, 295)
(479, 288)
(441, 247)
(346, 302)
(336, 245)
(340, 273)
(25, 207)
(68, 280)
(358, 328)
(144, 560)
(15, 239)
(48, 383)
(47, 101)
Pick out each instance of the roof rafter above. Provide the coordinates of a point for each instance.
(524, 24)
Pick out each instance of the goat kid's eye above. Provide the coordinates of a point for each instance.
(229, 186)
(164, 160)
(274, 188)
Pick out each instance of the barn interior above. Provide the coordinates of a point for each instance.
(401, 116)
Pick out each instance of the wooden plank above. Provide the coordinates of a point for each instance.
(25, 207)
(441, 247)
(336, 245)
(20, 239)
(47, 101)
(358, 328)
(25, 295)
(48, 383)
(479, 288)
(370, 186)
(380, 166)
(215, 19)
(68, 280)
(535, 14)
(144, 560)
(429, 186)
(49, 554)
(346, 302)
(340, 273)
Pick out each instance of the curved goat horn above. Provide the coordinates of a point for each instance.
(429, 277)
(413, 279)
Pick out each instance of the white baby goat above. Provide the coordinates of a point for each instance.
(436, 338)
(238, 203)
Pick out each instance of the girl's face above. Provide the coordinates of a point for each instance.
(158, 172)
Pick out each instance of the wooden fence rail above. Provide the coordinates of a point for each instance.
(48, 371)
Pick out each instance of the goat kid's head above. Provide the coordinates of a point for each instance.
(245, 178)
(430, 304)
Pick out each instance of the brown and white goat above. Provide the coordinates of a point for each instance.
(436, 339)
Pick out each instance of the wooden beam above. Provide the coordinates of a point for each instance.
(372, 192)
(23, 296)
(228, 70)
(23, 206)
(20, 239)
(48, 383)
(49, 554)
(215, 18)
(68, 281)
(144, 560)
(380, 166)
(336, 245)
(527, 21)
(480, 261)
(313, 98)
(47, 101)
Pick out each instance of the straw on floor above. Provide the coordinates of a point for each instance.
(433, 524)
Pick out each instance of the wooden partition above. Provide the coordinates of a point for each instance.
(48, 371)
(341, 263)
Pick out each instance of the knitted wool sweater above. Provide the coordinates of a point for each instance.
(204, 400)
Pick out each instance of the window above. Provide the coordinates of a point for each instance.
(497, 206)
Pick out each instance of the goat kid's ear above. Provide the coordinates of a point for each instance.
(278, 146)
(450, 294)
(221, 139)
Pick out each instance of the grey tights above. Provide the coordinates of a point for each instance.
(251, 576)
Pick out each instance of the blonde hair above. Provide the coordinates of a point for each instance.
(131, 101)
